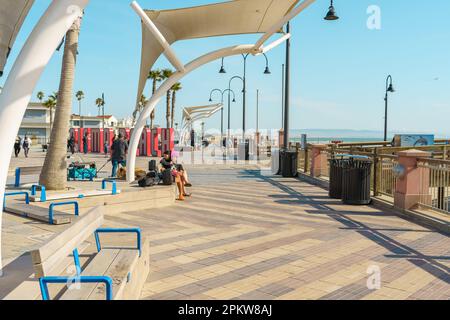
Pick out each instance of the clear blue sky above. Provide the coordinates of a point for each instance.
(338, 68)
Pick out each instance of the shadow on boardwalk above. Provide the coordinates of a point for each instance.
(322, 207)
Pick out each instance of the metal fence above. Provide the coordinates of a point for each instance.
(434, 189)
(384, 175)
(435, 184)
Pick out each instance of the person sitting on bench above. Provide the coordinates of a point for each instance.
(181, 169)
(168, 164)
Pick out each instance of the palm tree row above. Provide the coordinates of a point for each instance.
(158, 76)
(52, 100)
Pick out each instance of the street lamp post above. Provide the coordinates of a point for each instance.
(222, 92)
(287, 87)
(389, 88)
(229, 100)
(103, 111)
(244, 80)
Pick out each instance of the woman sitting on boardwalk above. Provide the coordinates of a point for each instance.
(176, 171)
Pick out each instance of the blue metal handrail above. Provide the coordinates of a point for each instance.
(20, 193)
(114, 185)
(43, 197)
(43, 283)
(110, 230)
(51, 209)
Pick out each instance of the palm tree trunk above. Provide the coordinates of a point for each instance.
(51, 120)
(168, 109)
(172, 115)
(54, 172)
(152, 115)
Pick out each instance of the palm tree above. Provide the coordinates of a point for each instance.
(50, 104)
(80, 96)
(54, 171)
(175, 88)
(40, 95)
(166, 74)
(141, 104)
(99, 104)
(156, 76)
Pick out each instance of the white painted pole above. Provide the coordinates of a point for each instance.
(276, 43)
(162, 90)
(25, 73)
(168, 51)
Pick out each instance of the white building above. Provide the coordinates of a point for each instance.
(93, 121)
(36, 123)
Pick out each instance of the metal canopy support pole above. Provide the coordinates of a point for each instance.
(287, 87)
(244, 104)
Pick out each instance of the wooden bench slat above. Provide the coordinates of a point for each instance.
(118, 271)
(97, 267)
(62, 244)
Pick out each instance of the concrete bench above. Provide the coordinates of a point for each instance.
(49, 215)
(114, 273)
(44, 196)
(25, 171)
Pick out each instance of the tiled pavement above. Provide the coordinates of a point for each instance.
(244, 235)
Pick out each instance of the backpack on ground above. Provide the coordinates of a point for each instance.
(167, 178)
(148, 181)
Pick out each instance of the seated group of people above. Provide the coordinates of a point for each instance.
(178, 172)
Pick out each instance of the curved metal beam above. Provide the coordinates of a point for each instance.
(195, 64)
(25, 73)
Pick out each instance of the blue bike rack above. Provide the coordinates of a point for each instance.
(114, 185)
(34, 188)
(12, 194)
(53, 205)
(45, 281)
(109, 230)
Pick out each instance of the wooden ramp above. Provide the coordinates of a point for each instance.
(77, 194)
(39, 213)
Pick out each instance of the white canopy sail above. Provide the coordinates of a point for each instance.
(12, 16)
(220, 19)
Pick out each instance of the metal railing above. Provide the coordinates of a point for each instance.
(434, 180)
(435, 184)
(384, 175)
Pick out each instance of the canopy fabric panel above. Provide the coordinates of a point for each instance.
(12, 16)
(200, 112)
(220, 19)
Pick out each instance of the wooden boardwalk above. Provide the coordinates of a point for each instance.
(246, 235)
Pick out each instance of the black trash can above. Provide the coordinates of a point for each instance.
(288, 163)
(336, 172)
(356, 179)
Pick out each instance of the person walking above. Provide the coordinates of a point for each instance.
(26, 146)
(119, 151)
(85, 144)
(72, 145)
(17, 146)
